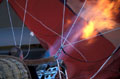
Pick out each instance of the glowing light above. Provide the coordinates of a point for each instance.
(100, 17)
(69, 21)
(88, 30)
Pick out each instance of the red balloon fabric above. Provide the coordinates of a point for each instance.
(44, 18)
(0, 1)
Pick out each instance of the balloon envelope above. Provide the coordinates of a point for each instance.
(44, 18)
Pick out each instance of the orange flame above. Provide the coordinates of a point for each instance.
(101, 17)
(88, 30)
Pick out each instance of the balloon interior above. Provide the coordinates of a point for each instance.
(81, 38)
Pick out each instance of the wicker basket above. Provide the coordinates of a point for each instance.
(13, 68)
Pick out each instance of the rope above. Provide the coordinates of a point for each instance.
(59, 69)
(66, 74)
(93, 36)
(12, 29)
(106, 61)
(23, 23)
(28, 52)
(59, 51)
(44, 25)
(74, 58)
(63, 22)
(71, 30)
(74, 22)
(39, 21)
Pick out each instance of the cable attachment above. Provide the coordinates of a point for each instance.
(62, 46)
(57, 54)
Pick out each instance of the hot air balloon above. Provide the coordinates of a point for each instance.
(82, 33)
